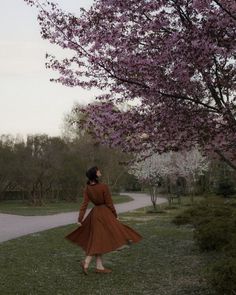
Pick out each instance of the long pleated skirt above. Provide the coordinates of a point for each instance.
(101, 233)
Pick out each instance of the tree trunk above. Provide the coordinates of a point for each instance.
(153, 194)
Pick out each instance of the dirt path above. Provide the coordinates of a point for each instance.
(13, 226)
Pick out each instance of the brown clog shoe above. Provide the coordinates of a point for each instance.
(84, 269)
(105, 270)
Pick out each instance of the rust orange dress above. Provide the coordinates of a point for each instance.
(101, 232)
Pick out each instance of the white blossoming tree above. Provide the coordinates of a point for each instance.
(191, 164)
(188, 164)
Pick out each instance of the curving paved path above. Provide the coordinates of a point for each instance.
(13, 226)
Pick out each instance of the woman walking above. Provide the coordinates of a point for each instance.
(100, 232)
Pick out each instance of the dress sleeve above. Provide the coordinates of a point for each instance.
(83, 206)
(108, 200)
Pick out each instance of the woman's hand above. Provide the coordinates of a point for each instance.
(79, 223)
(117, 218)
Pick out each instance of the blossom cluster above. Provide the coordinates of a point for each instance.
(176, 58)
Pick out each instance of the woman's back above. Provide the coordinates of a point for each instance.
(96, 193)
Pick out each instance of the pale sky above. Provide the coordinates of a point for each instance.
(29, 102)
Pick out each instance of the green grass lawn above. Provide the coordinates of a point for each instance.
(22, 208)
(165, 262)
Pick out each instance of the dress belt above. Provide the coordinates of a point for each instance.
(100, 205)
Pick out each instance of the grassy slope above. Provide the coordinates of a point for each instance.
(165, 262)
(21, 208)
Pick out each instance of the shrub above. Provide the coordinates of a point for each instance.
(222, 276)
(215, 223)
(201, 214)
(225, 188)
(204, 212)
(222, 273)
(183, 218)
(192, 216)
(213, 235)
(230, 248)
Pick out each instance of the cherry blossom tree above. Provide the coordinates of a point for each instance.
(190, 165)
(174, 58)
(172, 165)
(151, 171)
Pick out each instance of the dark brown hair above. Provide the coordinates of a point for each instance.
(92, 175)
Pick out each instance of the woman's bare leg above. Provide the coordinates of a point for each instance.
(87, 261)
(99, 264)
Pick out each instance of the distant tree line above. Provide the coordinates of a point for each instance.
(48, 168)
(43, 168)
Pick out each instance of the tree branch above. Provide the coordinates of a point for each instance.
(218, 80)
(225, 159)
(183, 16)
(179, 96)
(224, 9)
